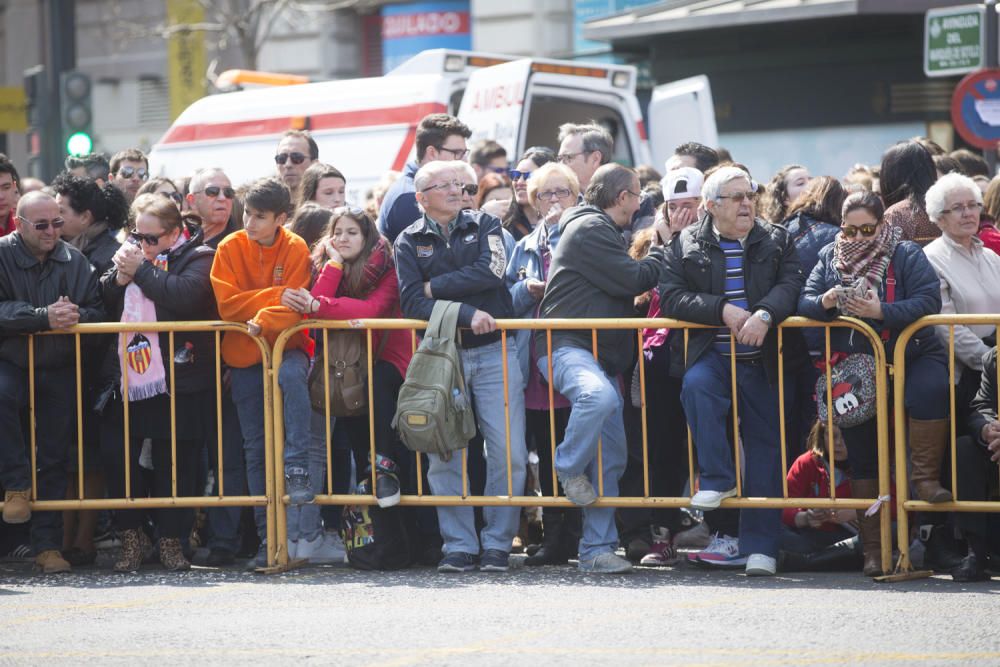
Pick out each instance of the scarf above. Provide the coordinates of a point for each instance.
(378, 264)
(144, 361)
(865, 259)
(84, 240)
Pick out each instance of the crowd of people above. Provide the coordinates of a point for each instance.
(563, 233)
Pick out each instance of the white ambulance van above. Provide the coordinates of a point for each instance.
(365, 127)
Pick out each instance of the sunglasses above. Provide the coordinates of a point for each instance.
(148, 239)
(515, 174)
(42, 226)
(738, 197)
(352, 211)
(471, 189)
(128, 172)
(214, 190)
(175, 196)
(864, 230)
(296, 158)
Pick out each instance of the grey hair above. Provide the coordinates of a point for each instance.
(595, 138)
(937, 195)
(712, 187)
(430, 171)
(201, 176)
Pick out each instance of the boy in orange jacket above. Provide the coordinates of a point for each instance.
(256, 275)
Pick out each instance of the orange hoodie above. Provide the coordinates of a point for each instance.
(248, 280)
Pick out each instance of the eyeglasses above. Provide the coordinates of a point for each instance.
(558, 193)
(148, 239)
(568, 157)
(457, 153)
(959, 209)
(214, 190)
(738, 197)
(865, 230)
(634, 194)
(128, 172)
(470, 189)
(446, 186)
(296, 158)
(516, 175)
(44, 224)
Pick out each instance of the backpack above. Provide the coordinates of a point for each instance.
(345, 361)
(433, 413)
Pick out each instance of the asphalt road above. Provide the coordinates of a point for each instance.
(551, 616)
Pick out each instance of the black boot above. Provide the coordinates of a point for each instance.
(942, 552)
(844, 555)
(973, 566)
(552, 551)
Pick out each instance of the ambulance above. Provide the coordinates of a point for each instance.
(366, 127)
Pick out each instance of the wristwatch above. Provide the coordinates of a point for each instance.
(764, 316)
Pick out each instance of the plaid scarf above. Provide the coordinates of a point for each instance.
(379, 263)
(865, 259)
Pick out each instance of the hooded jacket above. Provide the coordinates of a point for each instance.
(592, 276)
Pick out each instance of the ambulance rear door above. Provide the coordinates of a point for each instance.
(493, 105)
(681, 111)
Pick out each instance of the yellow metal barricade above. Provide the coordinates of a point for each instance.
(904, 503)
(517, 497)
(129, 502)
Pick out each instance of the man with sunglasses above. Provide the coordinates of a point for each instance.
(296, 151)
(740, 275)
(45, 285)
(488, 157)
(129, 170)
(439, 137)
(211, 197)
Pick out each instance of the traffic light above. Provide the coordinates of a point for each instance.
(36, 93)
(75, 112)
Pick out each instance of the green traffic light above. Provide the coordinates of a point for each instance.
(79, 143)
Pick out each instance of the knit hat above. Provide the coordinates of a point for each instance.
(682, 183)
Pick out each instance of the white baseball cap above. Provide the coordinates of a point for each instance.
(682, 183)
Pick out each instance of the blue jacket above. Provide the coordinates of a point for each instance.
(526, 262)
(467, 267)
(810, 235)
(918, 293)
(399, 207)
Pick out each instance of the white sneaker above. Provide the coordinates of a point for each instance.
(759, 565)
(722, 553)
(710, 500)
(325, 548)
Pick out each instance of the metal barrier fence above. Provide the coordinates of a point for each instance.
(903, 501)
(646, 500)
(128, 501)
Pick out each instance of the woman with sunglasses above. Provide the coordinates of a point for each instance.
(870, 273)
(160, 275)
(324, 185)
(520, 217)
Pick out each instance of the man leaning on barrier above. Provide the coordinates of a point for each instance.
(742, 276)
(460, 256)
(593, 276)
(45, 285)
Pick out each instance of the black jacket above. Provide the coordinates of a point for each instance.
(28, 286)
(694, 283)
(984, 405)
(101, 250)
(592, 276)
(181, 293)
(467, 267)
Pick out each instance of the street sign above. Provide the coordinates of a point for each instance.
(954, 40)
(13, 110)
(975, 108)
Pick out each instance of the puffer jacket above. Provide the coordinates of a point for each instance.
(181, 293)
(28, 286)
(918, 293)
(810, 235)
(694, 281)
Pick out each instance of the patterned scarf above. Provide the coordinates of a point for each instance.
(379, 263)
(865, 258)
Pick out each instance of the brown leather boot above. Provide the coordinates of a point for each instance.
(928, 440)
(135, 544)
(172, 556)
(871, 537)
(15, 506)
(51, 562)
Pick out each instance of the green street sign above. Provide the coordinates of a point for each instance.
(954, 40)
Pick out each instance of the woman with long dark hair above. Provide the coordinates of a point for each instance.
(907, 173)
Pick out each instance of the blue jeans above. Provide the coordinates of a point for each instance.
(483, 372)
(596, 413)
(706, 395)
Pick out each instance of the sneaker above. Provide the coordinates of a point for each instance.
(662, 552)
(696, 537)
(109, 539)
(20, 553)
(297, 486)
(579, 490)
(710, 500)
(606, 563)
(723, 552)
(386, 482)
(457, 562)
(51, 562)
(324, 549)
(494, 560)
(759, 565)
(260, 560)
